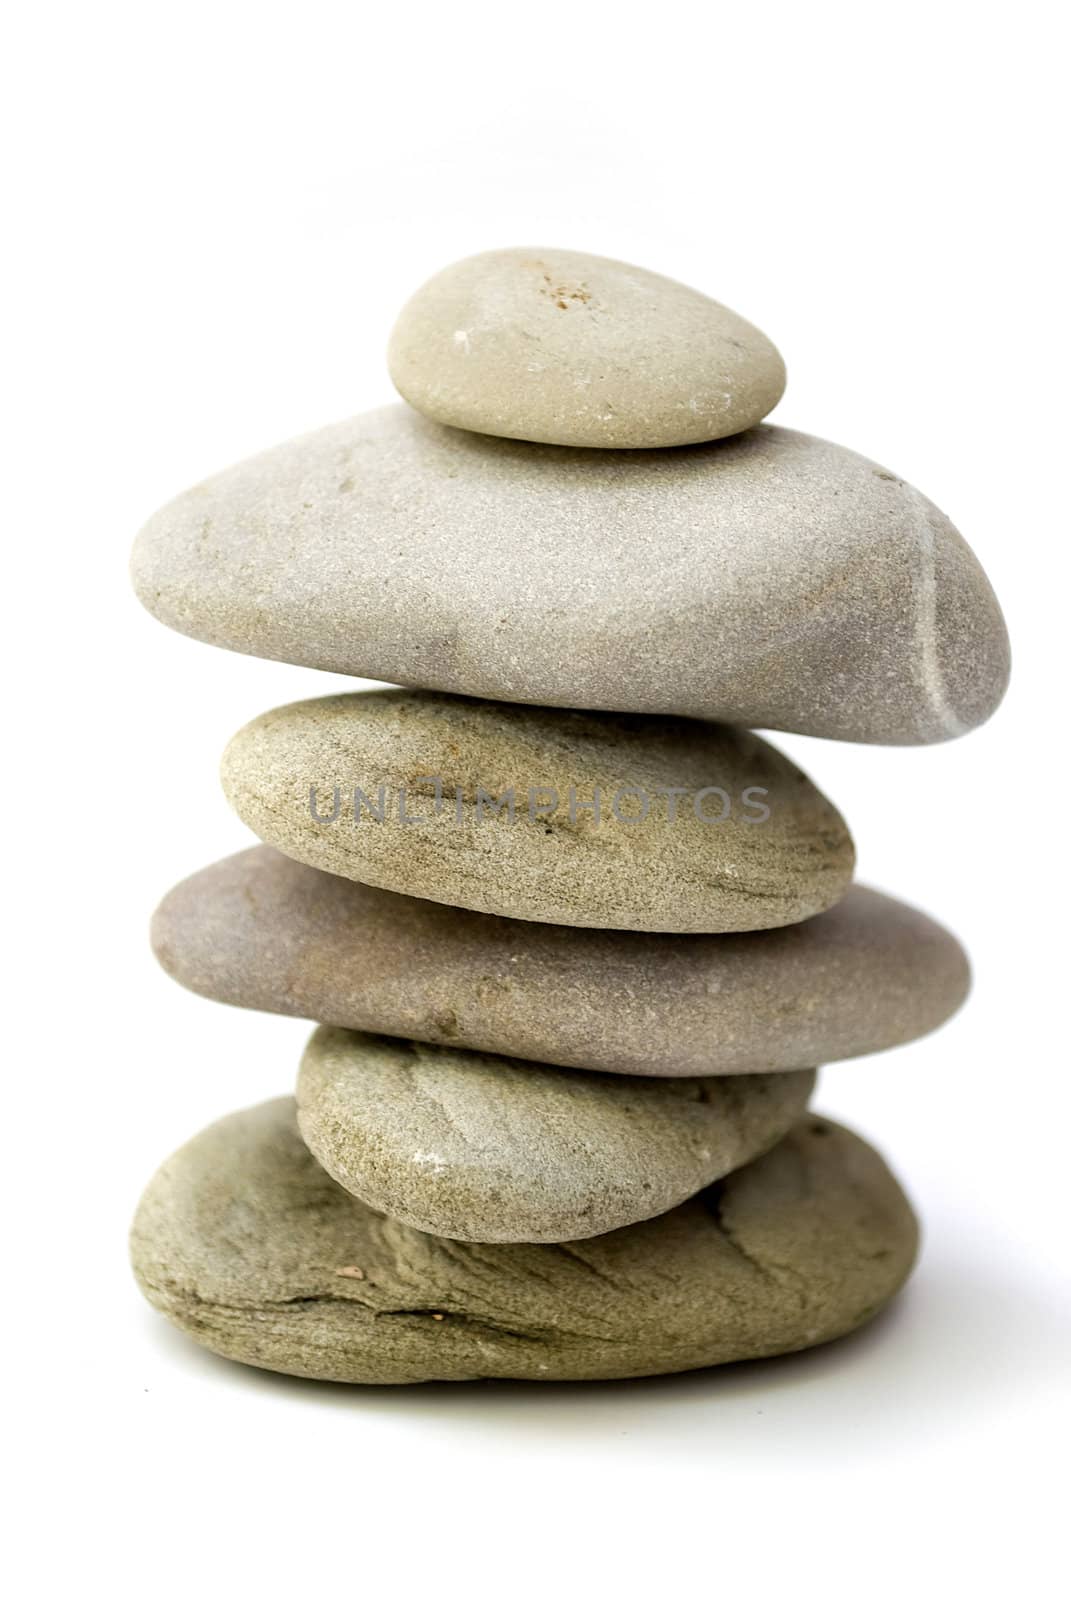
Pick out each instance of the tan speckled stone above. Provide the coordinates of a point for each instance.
(674, 870)
(479, 1147)
(263, 931)
(246, 1244)
(573, 349)
(771, 580)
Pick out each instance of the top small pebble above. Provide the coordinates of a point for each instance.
(564, 348)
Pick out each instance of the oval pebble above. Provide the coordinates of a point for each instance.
(245, 1243)
(651, 823)
(260, 930)
(478, 1147)
(772, 580)
(574, 349)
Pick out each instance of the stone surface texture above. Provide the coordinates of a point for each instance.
(260, 930)
(675, 869)
(245, 1243)
(772, 580)
(478, 1147)
(572, 349)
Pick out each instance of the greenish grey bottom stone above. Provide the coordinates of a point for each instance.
(245, 1243)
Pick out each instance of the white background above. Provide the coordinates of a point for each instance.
(217, 211)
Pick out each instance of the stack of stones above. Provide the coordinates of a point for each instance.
(575, 939)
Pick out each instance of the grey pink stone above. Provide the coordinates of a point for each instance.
(263, 931)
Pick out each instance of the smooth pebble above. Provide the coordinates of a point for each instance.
(260, 930)
(245, 1242)
(771, 580)
(573, 349)
(478, 1147)
(653, 823)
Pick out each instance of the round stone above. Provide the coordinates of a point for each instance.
(260, 930)
(771, 580)
(479, 1147)
(573, 349)
(245, 1242)
(652, 823)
